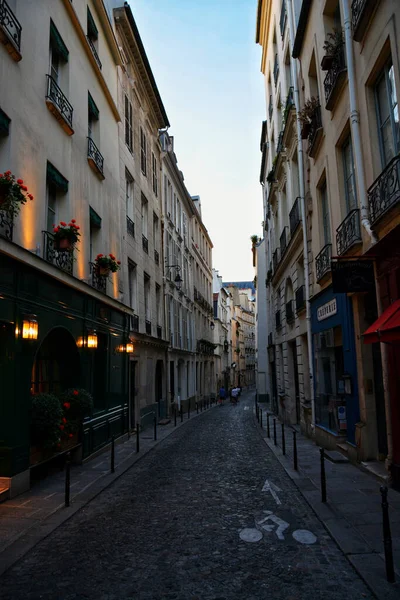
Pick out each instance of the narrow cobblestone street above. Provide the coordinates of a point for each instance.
(177, 525)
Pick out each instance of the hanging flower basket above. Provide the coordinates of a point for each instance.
(106, 264)
(13, 193)
(63, 244)
(104, 271)
(66, 235)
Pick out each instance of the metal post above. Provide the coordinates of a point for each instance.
(283, 439)
(260, 418)
(155, 428)
(112, 454)
(181, 413)
(275, 432)
(387, 538)
(268, 430)
(294, 450)
(323, 476)
(67, 478)
(137, 437)
(175, 416)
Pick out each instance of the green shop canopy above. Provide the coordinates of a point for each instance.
(57, 42)
(54, 176)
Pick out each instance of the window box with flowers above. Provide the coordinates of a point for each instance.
(106, 263)
(13, 193)
(65, 235)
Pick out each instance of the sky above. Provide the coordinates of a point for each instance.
(207, 68)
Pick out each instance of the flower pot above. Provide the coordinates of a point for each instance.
(63, 244)
(305, 131)
(327, 62)
(104, 271)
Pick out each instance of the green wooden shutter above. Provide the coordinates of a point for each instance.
(57, 42)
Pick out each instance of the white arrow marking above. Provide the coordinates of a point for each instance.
(282, 525)
(272, 488)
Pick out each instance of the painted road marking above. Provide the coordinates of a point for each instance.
(281, 524)
(250, 535)
(304, 536)
(273, 489)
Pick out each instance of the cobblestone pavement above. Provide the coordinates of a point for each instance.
(173, 526)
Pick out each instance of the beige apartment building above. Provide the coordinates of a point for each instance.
(347, 92)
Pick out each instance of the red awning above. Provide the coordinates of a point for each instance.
(387, 327)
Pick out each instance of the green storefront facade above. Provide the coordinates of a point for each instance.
(56, 360)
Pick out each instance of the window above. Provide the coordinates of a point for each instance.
(387, 115)
(58, 53)
(147, 307)
(132, 282)
(166, 193)
(178, 216)
(154, 168)
(129, 191)
(143, 152)
(93, 117)
(144, 216)
(57, 186)
(176, 322)
(184, 228)
(95, 226)
(51, 206)
(325, 221)
(128, 124)
(155, 232)
(158, 304)
(349, 176)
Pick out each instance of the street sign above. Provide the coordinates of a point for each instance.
(352, 276)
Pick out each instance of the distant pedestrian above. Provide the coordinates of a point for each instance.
(222, 395)
(234, 395)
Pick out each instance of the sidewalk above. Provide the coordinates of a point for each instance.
(352, 513)
(30, 517)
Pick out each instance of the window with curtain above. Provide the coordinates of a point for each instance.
(387, 114)
(128, 124)
(143, 152)
(325, 221)
(349, 176)
(154, 169)
(129, 190)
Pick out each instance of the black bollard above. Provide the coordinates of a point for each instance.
(387, 537)
(137, 437)
(112, 455)
(155, 428)
(323, 476)
(283, 439)
(197, 407)
(268, 431)
(260, 418)
(181, 413)
(294, 450)
(275, 432)
(67, 478)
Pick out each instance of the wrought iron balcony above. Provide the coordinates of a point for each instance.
(335, 77)
(300, 296)
(276, 69)
(283, 18)
(295, 216)
(148, 327)
(58, 105)
(95, 158)
(323, 262)
(93, 49)
(130, 226)
(284, 241)
(97, 281)
(361, 12)
(156, 257)
(315, 132)
(63, 259)
(6, 225)
(348, 233)
(278, 323)
(145, 244)
(275, 259)
(270, 107)
(385, 191)
(10, 30)
(135, 323)
(289, 311)
(159, 331)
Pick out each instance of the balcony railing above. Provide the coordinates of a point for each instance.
(323, 261)
(361, 11)
(284, 241)
(300, 296)
(130, 226)
(283, 18)
(270, 107)
(385, 191)
(95, 157)
(93, 49)
(148, 327)
(145, 244)
(10, 24)
(278, 323)
(156, 257)
(295, 216)
(276, 69)
(98, 281)
(135, 322)
(334, 77)
(315, 132)
(159, 331)
(63, 259)
(348, 233)
(289, 311)
(59, 101)
(6, 225)
(275, 259)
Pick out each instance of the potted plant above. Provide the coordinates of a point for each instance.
(332, 43)
(66, 235)
(13, 193)
(46, 426)
(106, 263)
(306, 114)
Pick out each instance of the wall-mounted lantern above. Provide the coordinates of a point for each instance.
(30, 328)
(125, 348)
(88, 341)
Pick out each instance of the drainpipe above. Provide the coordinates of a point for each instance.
(365, 221)
(300, 157)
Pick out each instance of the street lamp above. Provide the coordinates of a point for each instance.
(178, 279)
(212, 325)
